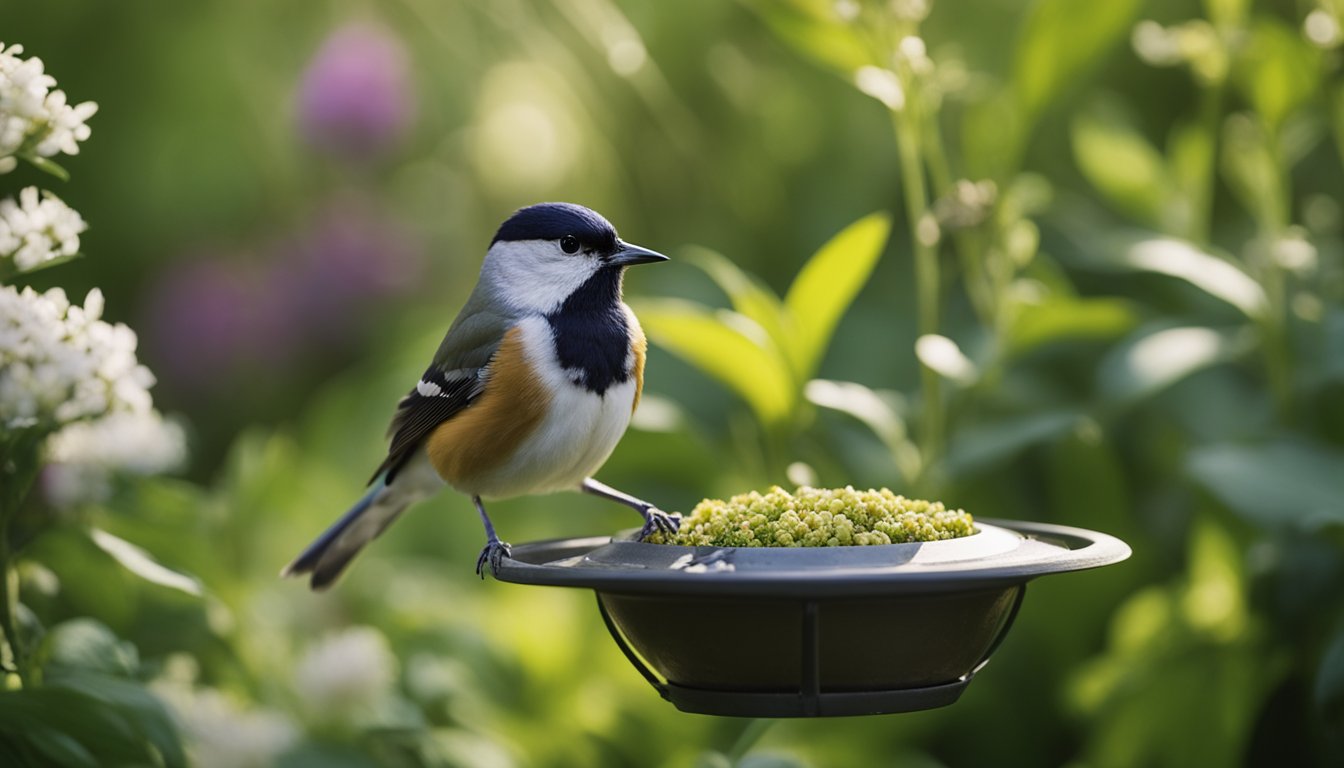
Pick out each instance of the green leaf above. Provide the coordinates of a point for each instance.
(1117, 160)
(815, 29)
(1251, 168)
(138, 561)
(72, 717)
(976, 447)
(942, 356)
(829, 282)
(1226, 13)
(1062, 38)
(1329, 688)
(1060, 318)
(1283, 484)
(726, 346)
(750, 298)
(1169, 256)
(1153, 359)
(1277, 71)
(46, 165)
(85, 644)
(864, 404)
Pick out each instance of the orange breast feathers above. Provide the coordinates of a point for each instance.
(488, 432)
(638, 347)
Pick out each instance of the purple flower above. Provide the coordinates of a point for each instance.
(206, 317)
(213, 320)
(356, 99)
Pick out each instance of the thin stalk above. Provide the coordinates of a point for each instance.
(1201, 197)
(926, 277)
(18, 469)
(968, 245)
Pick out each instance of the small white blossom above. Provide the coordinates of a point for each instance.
(35, 230)
(220, 733)
(86, 454)
(346, 675)
(60, 363)
(35, 116)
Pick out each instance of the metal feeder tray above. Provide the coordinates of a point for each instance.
(812, 631)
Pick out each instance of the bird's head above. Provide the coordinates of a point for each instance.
(544, 253)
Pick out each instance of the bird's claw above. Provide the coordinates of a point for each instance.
(656, 520)
(493, 553)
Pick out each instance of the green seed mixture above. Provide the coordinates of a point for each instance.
(817, 517)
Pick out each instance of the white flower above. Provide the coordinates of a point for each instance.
(86, 454)
(60, 363)
(34, 231)
(219, 733)
(346, 674)
(35, 116)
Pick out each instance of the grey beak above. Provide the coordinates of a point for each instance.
(628, 254)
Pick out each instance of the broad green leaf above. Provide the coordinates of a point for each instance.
(751, 299)
(720, 344)
(1060, 318)
(1277, 485)
(862, 403)
(1120, 163)
(1152, 360)
(1061, 38)
(138, 561)
(976, 447)
(828, 283)
(87, 645)
(1216, 277)
(815, 29)
(1277, 71)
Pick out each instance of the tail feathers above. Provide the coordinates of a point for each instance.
(327, 557)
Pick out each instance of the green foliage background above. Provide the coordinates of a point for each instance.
(1112, 253)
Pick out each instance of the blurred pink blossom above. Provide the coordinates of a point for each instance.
(356, 99)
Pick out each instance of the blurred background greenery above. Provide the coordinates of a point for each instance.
(1114, 241)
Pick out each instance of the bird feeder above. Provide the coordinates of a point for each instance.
(812, 631)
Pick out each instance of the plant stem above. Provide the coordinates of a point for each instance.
(926, 277)
(18, 470)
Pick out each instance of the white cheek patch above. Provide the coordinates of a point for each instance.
(535, 275)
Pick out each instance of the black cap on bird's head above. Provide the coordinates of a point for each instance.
(577, 228)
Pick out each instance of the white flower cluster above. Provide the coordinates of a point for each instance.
(34, 115)
(37, 229)
(60, 363)
(219, 731)
(85, 454)
(345, 676)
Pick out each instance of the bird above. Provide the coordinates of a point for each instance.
(528, 393)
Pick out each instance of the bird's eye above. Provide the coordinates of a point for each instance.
(569, 244)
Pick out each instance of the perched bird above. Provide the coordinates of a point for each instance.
(528, 393)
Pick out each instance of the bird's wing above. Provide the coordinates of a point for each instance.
(455, 379)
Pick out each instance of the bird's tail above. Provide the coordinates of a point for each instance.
(327, 557)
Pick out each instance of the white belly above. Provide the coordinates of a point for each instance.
(575, 438)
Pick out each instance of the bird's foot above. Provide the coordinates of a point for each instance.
(494, 552)
(658, 521)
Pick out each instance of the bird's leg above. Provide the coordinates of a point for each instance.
(495, 550)
(654, 518)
